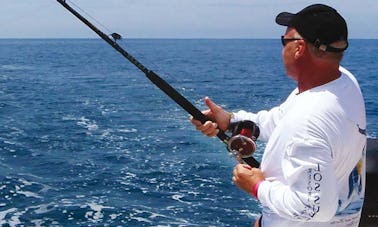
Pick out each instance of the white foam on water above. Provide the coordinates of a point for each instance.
(27, 193)
(88, 124)
(179, 197)
(150, 217)
(96, 213)
(84, 122)
(133, 130)
(4, 213)
(45, 208)
(134, 216)
(15, 218)
(11, 217)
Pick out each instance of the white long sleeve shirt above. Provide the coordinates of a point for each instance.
(314, 160)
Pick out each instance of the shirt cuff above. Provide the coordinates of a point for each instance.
(236, 117)
(256, 189)
(263, 190)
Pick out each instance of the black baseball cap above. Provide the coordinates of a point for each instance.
(318, 24)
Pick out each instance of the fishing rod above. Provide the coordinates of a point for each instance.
(235, 146)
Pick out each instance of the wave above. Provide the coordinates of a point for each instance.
(14, 67)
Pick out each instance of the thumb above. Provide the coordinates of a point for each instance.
(212, 106)
(220, 116)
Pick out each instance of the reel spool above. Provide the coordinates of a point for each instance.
(244, 134)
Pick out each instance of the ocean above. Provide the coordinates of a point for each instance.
(87, 140)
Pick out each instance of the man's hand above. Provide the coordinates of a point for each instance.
(219, 119)
(246, 178)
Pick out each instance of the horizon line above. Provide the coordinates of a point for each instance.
(183, 38)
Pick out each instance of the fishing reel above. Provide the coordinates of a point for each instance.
(243, 140)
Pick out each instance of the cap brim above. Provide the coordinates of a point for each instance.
(284, 18)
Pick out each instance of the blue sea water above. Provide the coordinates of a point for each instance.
(87, 140)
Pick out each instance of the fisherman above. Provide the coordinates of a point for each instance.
(312, 172)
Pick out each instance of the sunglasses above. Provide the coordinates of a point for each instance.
(285, 41)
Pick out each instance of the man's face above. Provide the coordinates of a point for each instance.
(288, 52)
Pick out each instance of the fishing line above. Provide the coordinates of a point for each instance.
(123, 41)
(120, 41)
(239, 147)
(158, 68)
(91, 17)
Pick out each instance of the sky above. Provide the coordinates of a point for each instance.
(172, 18)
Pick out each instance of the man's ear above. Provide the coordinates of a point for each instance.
(300, 49)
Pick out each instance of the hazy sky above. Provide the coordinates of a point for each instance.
(172, 18)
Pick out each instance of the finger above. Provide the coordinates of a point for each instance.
(235, 172)
(209, 126)
(239, 166)
(243, 169)
(206, 112)
(205, 126)
(194, 121)
(212, 106)
(197, 122)
(248, 167)
(235, 176)
(214, 133)
(211, 132)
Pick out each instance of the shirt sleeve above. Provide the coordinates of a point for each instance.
(265, 120)
(309, 190)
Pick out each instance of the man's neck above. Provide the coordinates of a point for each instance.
(317, 77)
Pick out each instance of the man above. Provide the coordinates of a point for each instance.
(313, 168)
